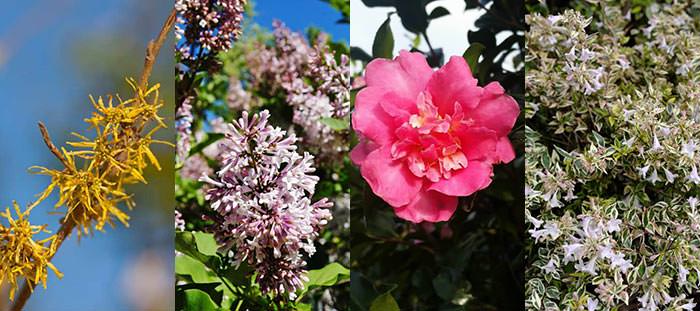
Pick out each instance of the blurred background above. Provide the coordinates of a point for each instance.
(53, 54)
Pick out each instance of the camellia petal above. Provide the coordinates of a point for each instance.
(479, 143)
(361, 151)
(496, 110)
(369, 119)
(428, 206)
(454, 83)
(476, 176)
(390, 180)
(504, 150)
(406, 76)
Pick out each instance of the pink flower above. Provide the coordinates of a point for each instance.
(428, 137)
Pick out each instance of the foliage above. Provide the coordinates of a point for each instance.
(475, 260)
(612, 182)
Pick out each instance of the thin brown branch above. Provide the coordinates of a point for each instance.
(68, 224)
(52, 147)
(154, 48)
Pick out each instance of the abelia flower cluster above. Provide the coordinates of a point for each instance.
(262, 194)
(428, 137)
(612, 160)
(207, 26)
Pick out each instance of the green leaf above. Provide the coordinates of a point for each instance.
(374, 3)
(471, 55)
(383, 46)
(359, 54)
(413, 15)
(438, 12)
(198, 271)
(196, 299)
(385, 302)
(329, 275)
(336, 124)
(444, 287)
(303, 307)
(211, 138)
(206, 244)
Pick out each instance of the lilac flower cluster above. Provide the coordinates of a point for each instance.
(179, 222)
(207, 26)
(262, 194)
(314, 83)
(183, 126)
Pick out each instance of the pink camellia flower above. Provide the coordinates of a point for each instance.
(428, 137)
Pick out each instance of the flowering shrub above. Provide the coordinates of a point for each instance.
(262, 153)
(428, 137)
(432, 139)
(612, 182)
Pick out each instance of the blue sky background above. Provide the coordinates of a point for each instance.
(53, 53)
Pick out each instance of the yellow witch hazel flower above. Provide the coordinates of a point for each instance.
(91, 186)
(20, 254)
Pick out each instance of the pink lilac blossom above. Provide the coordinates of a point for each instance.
(194, 167)
(428, 137)
(262, 195)
(207, 26)
(314, 83)
(179, 222)
(237, 98)
(183, 127)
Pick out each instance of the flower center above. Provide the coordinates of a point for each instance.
(427, 141)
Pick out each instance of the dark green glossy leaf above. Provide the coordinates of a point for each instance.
(471, 55)
(385, 302)
(374, 3)
(383, 46)
(359, 54)
(413, 15)
(438, 12)
(483, 36)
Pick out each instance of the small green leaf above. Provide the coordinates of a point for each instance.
(471, 55)
(206, 244)
(303, 307)
(196, 299)
(329, 275)
(383, 46)
(385, 302)
(198, 271)
(336, 124)
(438, 12)
(444, 287)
